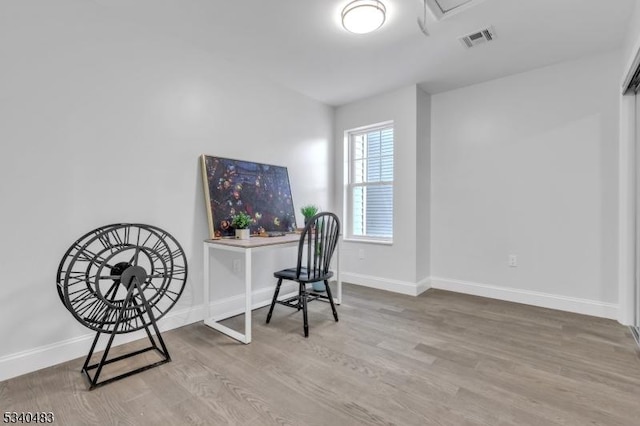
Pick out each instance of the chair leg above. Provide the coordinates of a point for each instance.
(333, 306)
(303, 299)
(300, 289)
(275, 299)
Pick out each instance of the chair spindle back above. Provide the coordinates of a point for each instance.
(318, 240)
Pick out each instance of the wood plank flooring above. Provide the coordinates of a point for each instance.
(438, 359)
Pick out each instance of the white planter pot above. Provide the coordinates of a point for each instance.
(242, 234)
(318, 286)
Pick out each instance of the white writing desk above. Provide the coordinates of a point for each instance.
(248, 247)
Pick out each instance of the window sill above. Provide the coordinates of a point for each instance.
(368, 241)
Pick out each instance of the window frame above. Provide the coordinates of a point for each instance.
(350, 184)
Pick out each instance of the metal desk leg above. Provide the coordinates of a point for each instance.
(248, 303)
(205, 275)
(212, 322)
(338, 279)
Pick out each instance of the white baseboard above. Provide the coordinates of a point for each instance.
(24, 362)
(45, 356)
(545, 300)
(396, 286)
(423, 285)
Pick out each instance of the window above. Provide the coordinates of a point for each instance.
(370, 183)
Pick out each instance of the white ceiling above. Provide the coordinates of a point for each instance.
(301, 44)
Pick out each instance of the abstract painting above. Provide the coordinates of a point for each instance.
(260, 190)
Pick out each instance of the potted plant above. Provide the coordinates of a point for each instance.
(241, 223)
(309, 211)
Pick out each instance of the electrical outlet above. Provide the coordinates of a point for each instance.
(361, 254)
(513, 260)
(236, 265)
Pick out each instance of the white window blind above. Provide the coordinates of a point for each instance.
(370, 186)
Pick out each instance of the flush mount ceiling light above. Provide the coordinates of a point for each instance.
(363, 16)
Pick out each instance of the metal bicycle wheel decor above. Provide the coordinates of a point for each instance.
(119, 279)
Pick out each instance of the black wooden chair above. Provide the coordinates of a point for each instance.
(317, 243)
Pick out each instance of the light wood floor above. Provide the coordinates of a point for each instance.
(441, 358)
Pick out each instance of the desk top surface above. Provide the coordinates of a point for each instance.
(256, 241)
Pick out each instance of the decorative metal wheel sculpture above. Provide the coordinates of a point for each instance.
(122, 278)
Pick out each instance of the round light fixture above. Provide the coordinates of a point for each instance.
(363, 16)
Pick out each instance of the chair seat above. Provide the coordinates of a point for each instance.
(290, 274)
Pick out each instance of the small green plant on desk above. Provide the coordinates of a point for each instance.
(309, 211)
(241, 223)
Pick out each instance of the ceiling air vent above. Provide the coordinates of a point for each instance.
(479, 37)
(441, 9)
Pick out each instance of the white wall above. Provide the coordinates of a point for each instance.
(527, 165)
(103, 121)
(391, 267)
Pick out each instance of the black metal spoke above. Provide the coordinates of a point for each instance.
(109, 277)
(105, 240)
(144, 243)
(97, 309)
(87, 307)
(80, 290)
(87, 255)
(134, 258)
(161, 275)
(117, 238)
